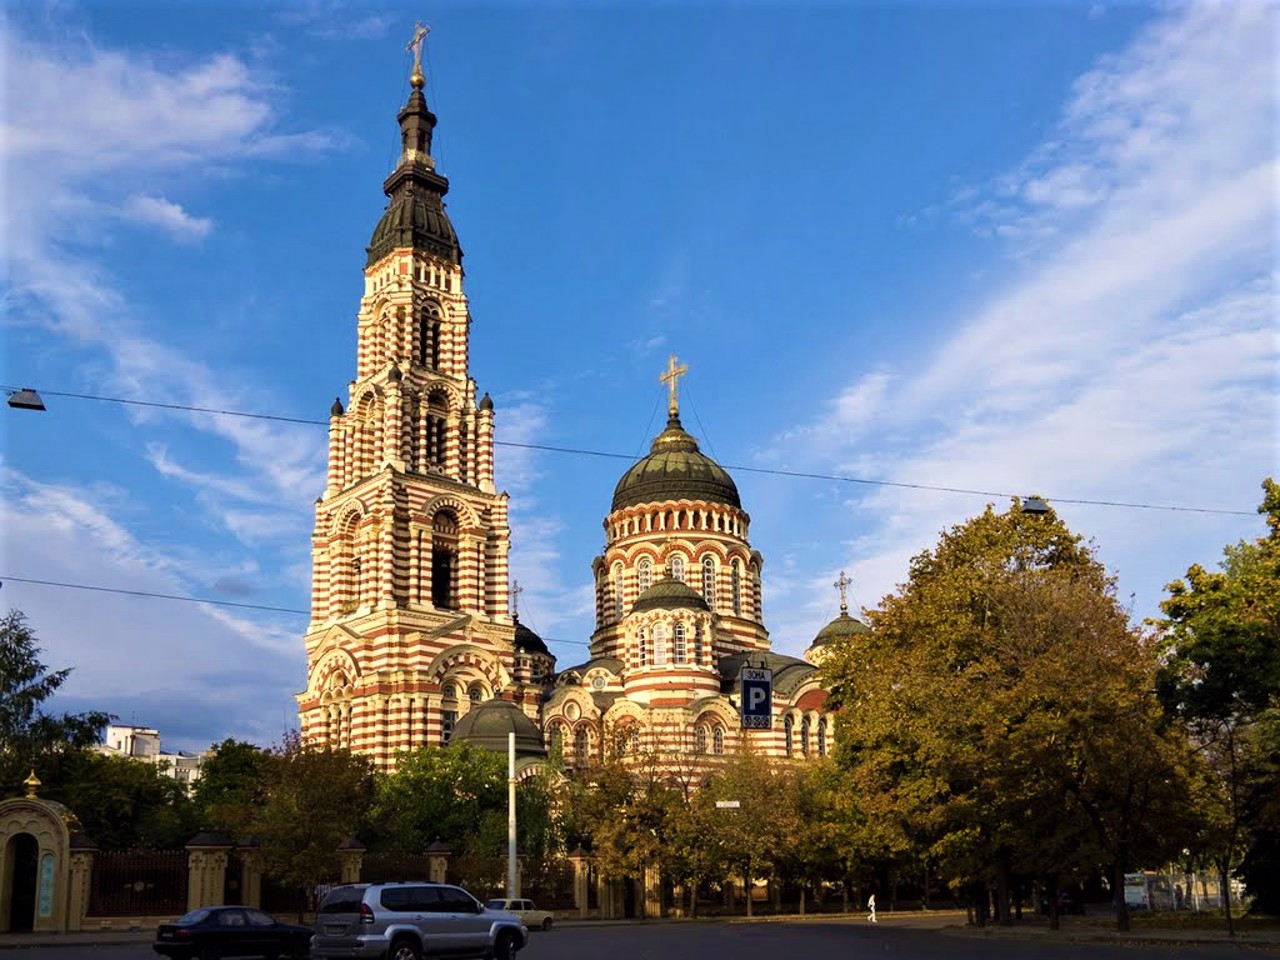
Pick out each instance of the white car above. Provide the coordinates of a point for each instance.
(531, 916)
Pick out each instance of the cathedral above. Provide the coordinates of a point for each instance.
(412, 640)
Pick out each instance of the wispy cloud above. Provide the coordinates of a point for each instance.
(1130, 352)
(168, 216)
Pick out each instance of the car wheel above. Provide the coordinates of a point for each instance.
(404, 949)
(505, 948)
(546, 923)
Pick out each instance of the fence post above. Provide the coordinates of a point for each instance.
(438, 854)
(580, 876)
(351, 857)
(207, 869)
(82, 849)
(250, 872)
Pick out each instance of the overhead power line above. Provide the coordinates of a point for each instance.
(151, 595)
(766, 471)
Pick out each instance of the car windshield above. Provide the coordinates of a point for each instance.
(194, 917)
(497, 904)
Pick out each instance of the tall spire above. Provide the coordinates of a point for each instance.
(415, 217)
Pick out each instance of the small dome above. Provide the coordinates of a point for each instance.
(415, 220)
(675, 470)
(488, 724)
(839, 628)
(336, 410)
(526, 639)
(486, 402)
(668, 594)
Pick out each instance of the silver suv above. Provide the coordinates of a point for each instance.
(407, 921)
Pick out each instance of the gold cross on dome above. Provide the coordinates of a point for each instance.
(516, 590)
(672, 379)
(843, 586)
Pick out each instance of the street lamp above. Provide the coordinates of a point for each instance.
(26, 399)
(1035, 505)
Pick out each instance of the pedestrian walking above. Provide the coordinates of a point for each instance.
(871, 906)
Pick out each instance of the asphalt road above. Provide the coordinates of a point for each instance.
(756, 941)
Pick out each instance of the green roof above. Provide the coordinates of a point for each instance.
(675, 469)
(669, 594)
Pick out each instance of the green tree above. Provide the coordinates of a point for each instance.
(30, 737)
(1001, 709)
(122, 802)
(314, 801)
(1221, 677)
(232, 786)
(457, 794)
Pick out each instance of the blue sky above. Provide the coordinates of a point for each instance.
(1009, 247)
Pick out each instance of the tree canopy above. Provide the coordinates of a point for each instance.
(999, 718)
(1221, 678)
(29, 735)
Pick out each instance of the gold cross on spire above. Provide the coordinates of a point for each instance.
(516, 590)
(672, 379)
(414, 46)
(843, 585)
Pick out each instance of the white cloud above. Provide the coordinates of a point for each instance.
(169, 216)
(162, 657)
(1129, 354)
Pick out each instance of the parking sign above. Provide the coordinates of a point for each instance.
(757, 699)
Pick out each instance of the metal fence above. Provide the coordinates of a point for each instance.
(389, 867)
(138, 883)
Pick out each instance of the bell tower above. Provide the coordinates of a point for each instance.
(409, 598)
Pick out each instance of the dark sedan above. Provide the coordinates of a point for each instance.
(212, 933)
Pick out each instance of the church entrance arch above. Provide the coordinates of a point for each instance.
(21, 864)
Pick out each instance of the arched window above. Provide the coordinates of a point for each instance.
(557, 739)
(709, 581)
(788, 732)
(804, 736)
(356, 576)
(429, 338)
(677, 567)
(644, 575)
(411, 414)
(697, 643)
(617, 592)
(679, 650)
(437, 419)
(444, 560)
(736, 588)
(717, 741)
(581, 743)
(700, 738)
(475, 693)
(448, 712)
(642, 645)
(822, 738)
(659, 644)
(633, 739)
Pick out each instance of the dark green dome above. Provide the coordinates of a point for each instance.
(839, 628)
(526, 639)
(488, 724)
(668, 594)
(675, 470)
(415, 220)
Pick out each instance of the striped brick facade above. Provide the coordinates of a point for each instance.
(410, 625)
